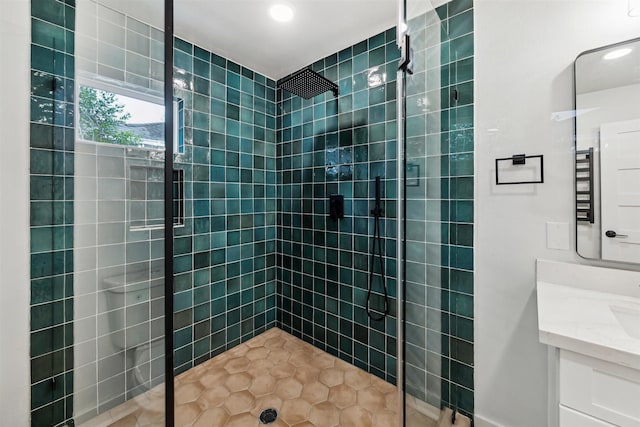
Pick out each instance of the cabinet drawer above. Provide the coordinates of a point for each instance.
(571, 418)
(600, 389)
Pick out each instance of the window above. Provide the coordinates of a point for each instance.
(115, 115)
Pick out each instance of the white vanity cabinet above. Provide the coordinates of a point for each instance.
(593, 392)
(591, 315)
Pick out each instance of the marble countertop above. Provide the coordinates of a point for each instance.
(576, 314)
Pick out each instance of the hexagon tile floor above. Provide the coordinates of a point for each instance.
(307, 387)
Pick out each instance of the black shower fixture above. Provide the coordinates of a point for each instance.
(307, 84)
(377, 214)
(336, 206)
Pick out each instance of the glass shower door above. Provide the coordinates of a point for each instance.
(437, 132)
(119, 214)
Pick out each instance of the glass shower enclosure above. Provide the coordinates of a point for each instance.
(122, 200)
(119, 212)
(437, 137)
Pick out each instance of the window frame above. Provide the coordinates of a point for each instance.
(131, 91)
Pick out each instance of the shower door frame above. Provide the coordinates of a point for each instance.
(405, 88)
(169, 413)
(401, 209)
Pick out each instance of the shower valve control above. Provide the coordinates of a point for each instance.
(336, 206)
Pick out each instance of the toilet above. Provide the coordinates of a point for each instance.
(142, 356)
(134, 289)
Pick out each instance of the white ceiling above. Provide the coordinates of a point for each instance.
(243, 31)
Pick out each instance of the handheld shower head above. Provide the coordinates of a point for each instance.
(377, 214)
(377, 207)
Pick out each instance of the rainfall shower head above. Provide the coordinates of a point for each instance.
(307, 84)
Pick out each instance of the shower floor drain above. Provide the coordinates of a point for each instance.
(268, 416)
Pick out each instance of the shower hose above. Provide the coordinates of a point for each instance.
(377, 239)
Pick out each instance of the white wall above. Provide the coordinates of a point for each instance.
(14, 221)
(524, 55)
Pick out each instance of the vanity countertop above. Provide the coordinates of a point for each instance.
(590, 310)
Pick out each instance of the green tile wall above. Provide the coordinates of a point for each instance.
(326, 146)
(225, 261)
(51, 194)
(439, 308)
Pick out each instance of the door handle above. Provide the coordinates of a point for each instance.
(612, 234)
(406, 56)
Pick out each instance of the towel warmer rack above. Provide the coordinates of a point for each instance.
(584, 186)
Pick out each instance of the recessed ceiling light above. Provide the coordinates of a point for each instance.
(281, 12)
(618, 53)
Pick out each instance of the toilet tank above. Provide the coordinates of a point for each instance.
(128, 298)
